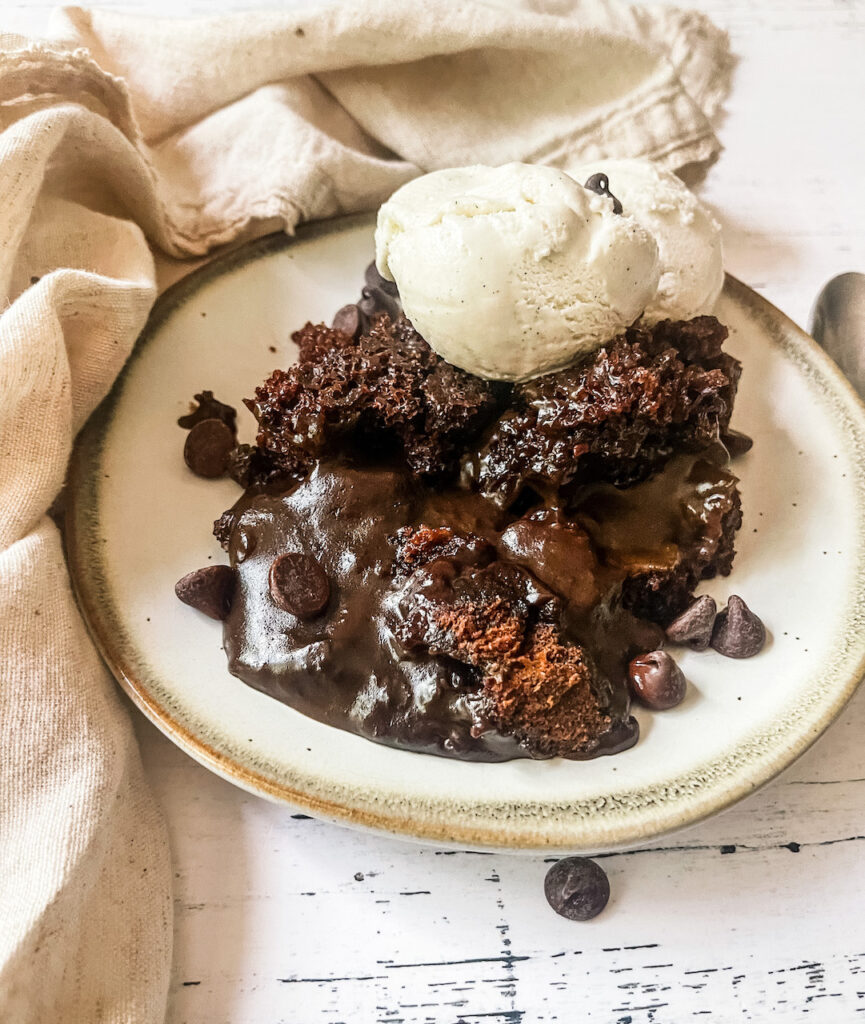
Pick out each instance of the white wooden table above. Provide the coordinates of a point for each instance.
(758, 913)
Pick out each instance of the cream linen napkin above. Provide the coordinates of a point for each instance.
(187, 135)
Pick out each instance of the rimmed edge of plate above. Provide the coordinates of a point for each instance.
(519, 826)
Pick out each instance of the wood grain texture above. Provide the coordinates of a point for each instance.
(756, 914)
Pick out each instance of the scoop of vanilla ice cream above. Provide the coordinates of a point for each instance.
(688, 236)
(510, 272)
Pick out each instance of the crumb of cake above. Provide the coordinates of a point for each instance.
(222, 528)
(617, 416)
(385, 389)
(251, 466)
(417, 546)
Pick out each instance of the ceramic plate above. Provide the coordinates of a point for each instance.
(139, 520)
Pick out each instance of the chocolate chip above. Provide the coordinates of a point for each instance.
(382, 302)
(577, 888)
(210, 408)
(657, 681)
(348, 319)
(207, 447)
(299, 585)
(600, 184)
(716, 454)
(693, 628)
(738, 632)
(375, 280)
(736, 443)
(209, 590)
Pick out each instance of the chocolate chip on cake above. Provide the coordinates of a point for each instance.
(299, 585)
(577, 888)
(207, 448)
(693, 628)
(738, 632)
(208, 590)
(657, 681)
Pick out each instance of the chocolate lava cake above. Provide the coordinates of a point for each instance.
(452, 565)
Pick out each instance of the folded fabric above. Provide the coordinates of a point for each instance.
(119, 134)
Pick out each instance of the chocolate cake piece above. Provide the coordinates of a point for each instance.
(455, 631)
(617, 416)
(665, 534)
(536, 684)
(385, 390)
(491, 616)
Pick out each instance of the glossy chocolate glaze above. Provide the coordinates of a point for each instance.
(346, 667)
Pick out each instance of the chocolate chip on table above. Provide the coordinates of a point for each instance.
(738, 632)
(736, 443)
(209, 590)
(299, 585)
(657, 681)
(348, 319)
(576, 888)
(207, 447)
(600, 184)
(693, 628)
(375, 280)
(210, 408)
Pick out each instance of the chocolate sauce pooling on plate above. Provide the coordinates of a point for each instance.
(346, 666)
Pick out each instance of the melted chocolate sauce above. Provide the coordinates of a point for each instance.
(346, 668)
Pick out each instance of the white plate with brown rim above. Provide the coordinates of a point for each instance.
(138, 520)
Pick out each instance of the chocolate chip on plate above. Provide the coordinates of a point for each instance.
(736, 443)
(600, 185)
(577, 888)
(209, 408)
(375, 280)
(657, 680)
(208, 590)
(207, 446)
(693, 628)
(738, 632)
(299, 585)
(382, 302)
(348, 319)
